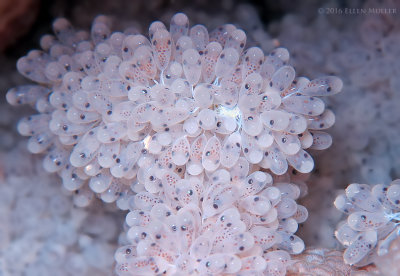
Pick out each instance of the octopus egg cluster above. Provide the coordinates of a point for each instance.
(227, 223)
(372, 223)
(115, 107)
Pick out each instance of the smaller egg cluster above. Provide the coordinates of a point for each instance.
(372, 222)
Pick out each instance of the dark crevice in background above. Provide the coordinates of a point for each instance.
(268, 11)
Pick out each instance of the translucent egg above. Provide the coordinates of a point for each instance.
(226, 62)
(33, 124)
(126, 160)
(251, 151)
(275, 119)
(191, 66)
(218, 199)
(111, 132)
(26, 94)
(297, 124)
(162, 46)
(202, 96)
(393, 194)
(289, 190)
(343, 204)
(199, 36)
(210, 58)
(363, 221)
(256, 182)
(82, 197)
(39, 142)
(321, 140)
(289, 144)
(231, 149)
(201, 247)
(292, 243)
(281, 53)
(266, 237)
(252, 60)
(85, 150)
(301, 161)
(211, 154)
(286, 207)
(217, 263)
(54, 71)
(179, 26)
(100, 29)
(100, 182)
(145, 201)
(276, 160)
(361, 246)
(306, 139)
(265, 139)
(304, 105)
(323, 86)
(130, 43)
(144, 59)
(360, 195)
(252, 124)
(112, 193)
(282, 79)
(301, 214)
(180, 151)
(256, 205)
(80, 117)
(236, 40)
(33, 65)
(184, 43)
(207, 119)
(222, 33)
(194, 166)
